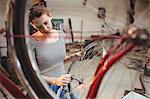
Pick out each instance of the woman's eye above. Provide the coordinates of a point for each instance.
(39, 27)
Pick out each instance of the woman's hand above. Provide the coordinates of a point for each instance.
(62, 80)
(77, 55)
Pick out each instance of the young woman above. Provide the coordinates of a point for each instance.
(49, 49)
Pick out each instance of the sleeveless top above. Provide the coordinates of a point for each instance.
(50, 56)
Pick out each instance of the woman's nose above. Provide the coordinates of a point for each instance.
(45, 28)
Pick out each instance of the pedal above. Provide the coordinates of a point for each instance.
(140, 91)
(137, 90)
(126, 92)
(147, 71)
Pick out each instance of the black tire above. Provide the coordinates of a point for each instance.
(17, 27)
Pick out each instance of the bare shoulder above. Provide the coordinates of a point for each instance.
(37, 35)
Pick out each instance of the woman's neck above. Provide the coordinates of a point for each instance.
(50, 37)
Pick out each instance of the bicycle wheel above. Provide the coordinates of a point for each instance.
(84, 69)
(19, 51)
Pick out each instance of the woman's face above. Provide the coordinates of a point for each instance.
(43, 23)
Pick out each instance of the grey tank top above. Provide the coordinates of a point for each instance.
(50, 56)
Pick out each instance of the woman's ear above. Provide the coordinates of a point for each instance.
(50, 13)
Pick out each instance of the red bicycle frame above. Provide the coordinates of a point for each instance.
(103, 68)
(12, 87)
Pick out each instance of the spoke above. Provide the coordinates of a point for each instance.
(82, 69)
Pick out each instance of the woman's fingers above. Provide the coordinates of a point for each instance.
(63, 80)
(66, 78)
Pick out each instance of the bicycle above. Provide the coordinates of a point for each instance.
(102, 69)
(35, 84)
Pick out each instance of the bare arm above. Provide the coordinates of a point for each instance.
(68, 59)
(59, 81)
(72, 57)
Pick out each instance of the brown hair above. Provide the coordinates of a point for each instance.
(36, 11)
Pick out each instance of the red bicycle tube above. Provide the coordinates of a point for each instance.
(11, 87)
(102, 61)
(102, 71)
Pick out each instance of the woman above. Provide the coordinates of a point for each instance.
(49, 49)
